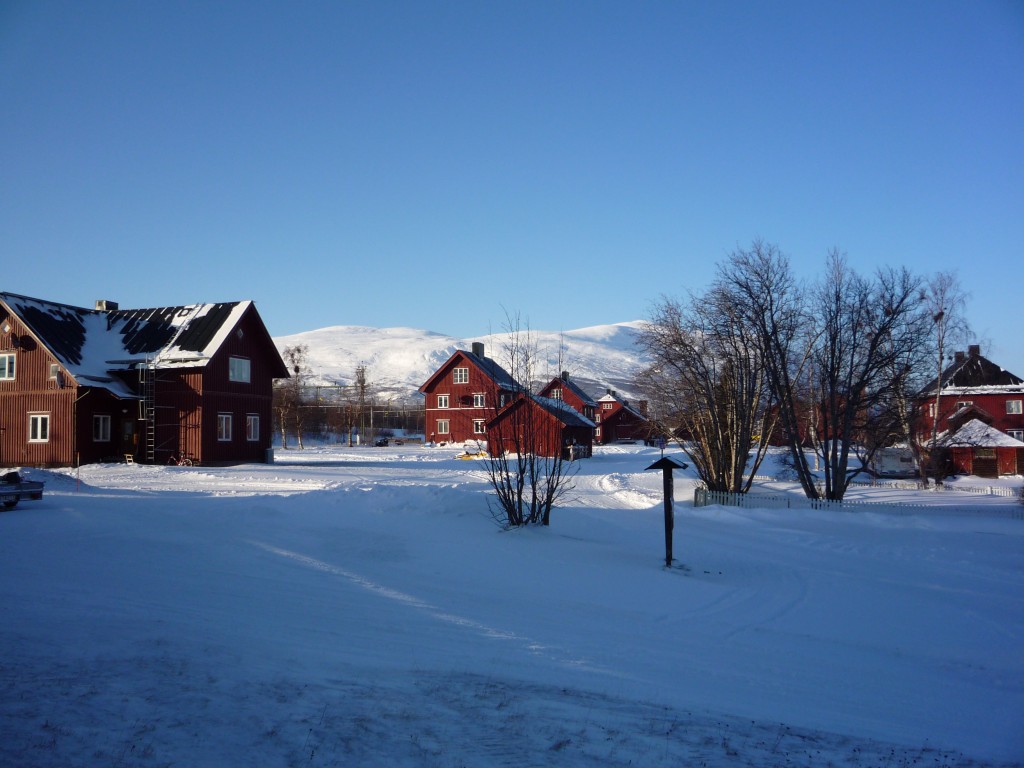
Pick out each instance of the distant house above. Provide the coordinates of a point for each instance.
(463, 394)
(564, 389)
(979, 449)
(85, 385)
(553, 428)
(973, 387)
(617, 420)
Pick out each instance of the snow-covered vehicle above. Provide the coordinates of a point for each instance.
(13, 489)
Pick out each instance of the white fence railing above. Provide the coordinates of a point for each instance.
(705, 498)
(916, 485)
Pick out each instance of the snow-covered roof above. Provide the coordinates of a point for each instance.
(92, 343)
(978, 434)
(567, 383)
(563, 411)
(973, 373)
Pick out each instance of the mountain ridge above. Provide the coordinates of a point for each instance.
(399, 359)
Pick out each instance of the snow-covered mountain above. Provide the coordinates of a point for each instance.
(399, 360)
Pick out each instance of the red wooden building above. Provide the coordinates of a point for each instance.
(543, 425)
(566, 390)
(84, 385)
(979, 449)
(618, 420)
(993, 395)
(463, 394)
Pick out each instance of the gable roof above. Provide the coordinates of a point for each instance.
(974, 373)
(485, 365)
(567, 383)
(92, 343)
(978, 434)
(614, 398)
(561, 410)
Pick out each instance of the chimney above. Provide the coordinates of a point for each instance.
(958, 358)
(974, 350)
(106, 305)
(478, 349)
(642, 407)
(565, 375)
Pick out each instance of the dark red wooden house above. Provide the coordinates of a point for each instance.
(569, 392)
(463, 394)
(85, 385)
(618, 420)
(544, 425)
(979, 449)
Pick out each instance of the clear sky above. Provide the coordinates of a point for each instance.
(440, 165)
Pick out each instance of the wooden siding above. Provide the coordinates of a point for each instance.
(460, 412)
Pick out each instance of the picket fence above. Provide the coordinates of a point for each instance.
(702, 497)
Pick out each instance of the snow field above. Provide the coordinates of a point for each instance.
(360, 607)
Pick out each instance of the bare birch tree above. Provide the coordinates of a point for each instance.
(289, 393)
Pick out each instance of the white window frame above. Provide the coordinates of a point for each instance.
(963, 403)
(8, 366)
(39, 427)
(443, 427)
(101, 428)
(252, 427)
(479, 400)
(556, 393)
(607, 406)
(1013, 407)
(224, 425)
(1016, 434)
(240, 369)
(460, 376)
(54, 370)
(442, 401)
(479, 427)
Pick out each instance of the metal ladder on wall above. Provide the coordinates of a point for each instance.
(147, 374)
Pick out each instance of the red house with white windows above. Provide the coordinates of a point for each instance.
(82, 385)
(992, 394)
(617, 420)
(570, 393)
(464, 394)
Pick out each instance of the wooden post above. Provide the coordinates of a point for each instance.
(666, 465)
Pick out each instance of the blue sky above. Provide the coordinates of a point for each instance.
(440, 165)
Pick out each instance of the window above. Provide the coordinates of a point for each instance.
(964, 403)
(7, 366)
(38, 427)
(252, 427)
(556, 393)
(54, 370)
(478, 427)
(442, 401)
(478, 400)
(442, 426)
(1016, 434)
(223, 427)
(931, 410)
(1013, 406)
(607, 406)
(239, 369)
(101, 428)
(461, 376)
(597, 432)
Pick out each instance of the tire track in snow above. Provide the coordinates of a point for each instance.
(535, 648)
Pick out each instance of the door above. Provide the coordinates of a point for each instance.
(128, 437)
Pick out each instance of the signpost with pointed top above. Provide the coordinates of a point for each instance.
(666, 465)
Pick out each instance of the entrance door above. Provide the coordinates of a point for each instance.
(128, 441)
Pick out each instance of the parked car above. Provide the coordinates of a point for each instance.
(381, 442)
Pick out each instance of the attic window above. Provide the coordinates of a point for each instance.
(239, 369)
(7, 327)
(460, 376)
(240, 334)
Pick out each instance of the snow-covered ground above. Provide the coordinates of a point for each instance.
(358, 606)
